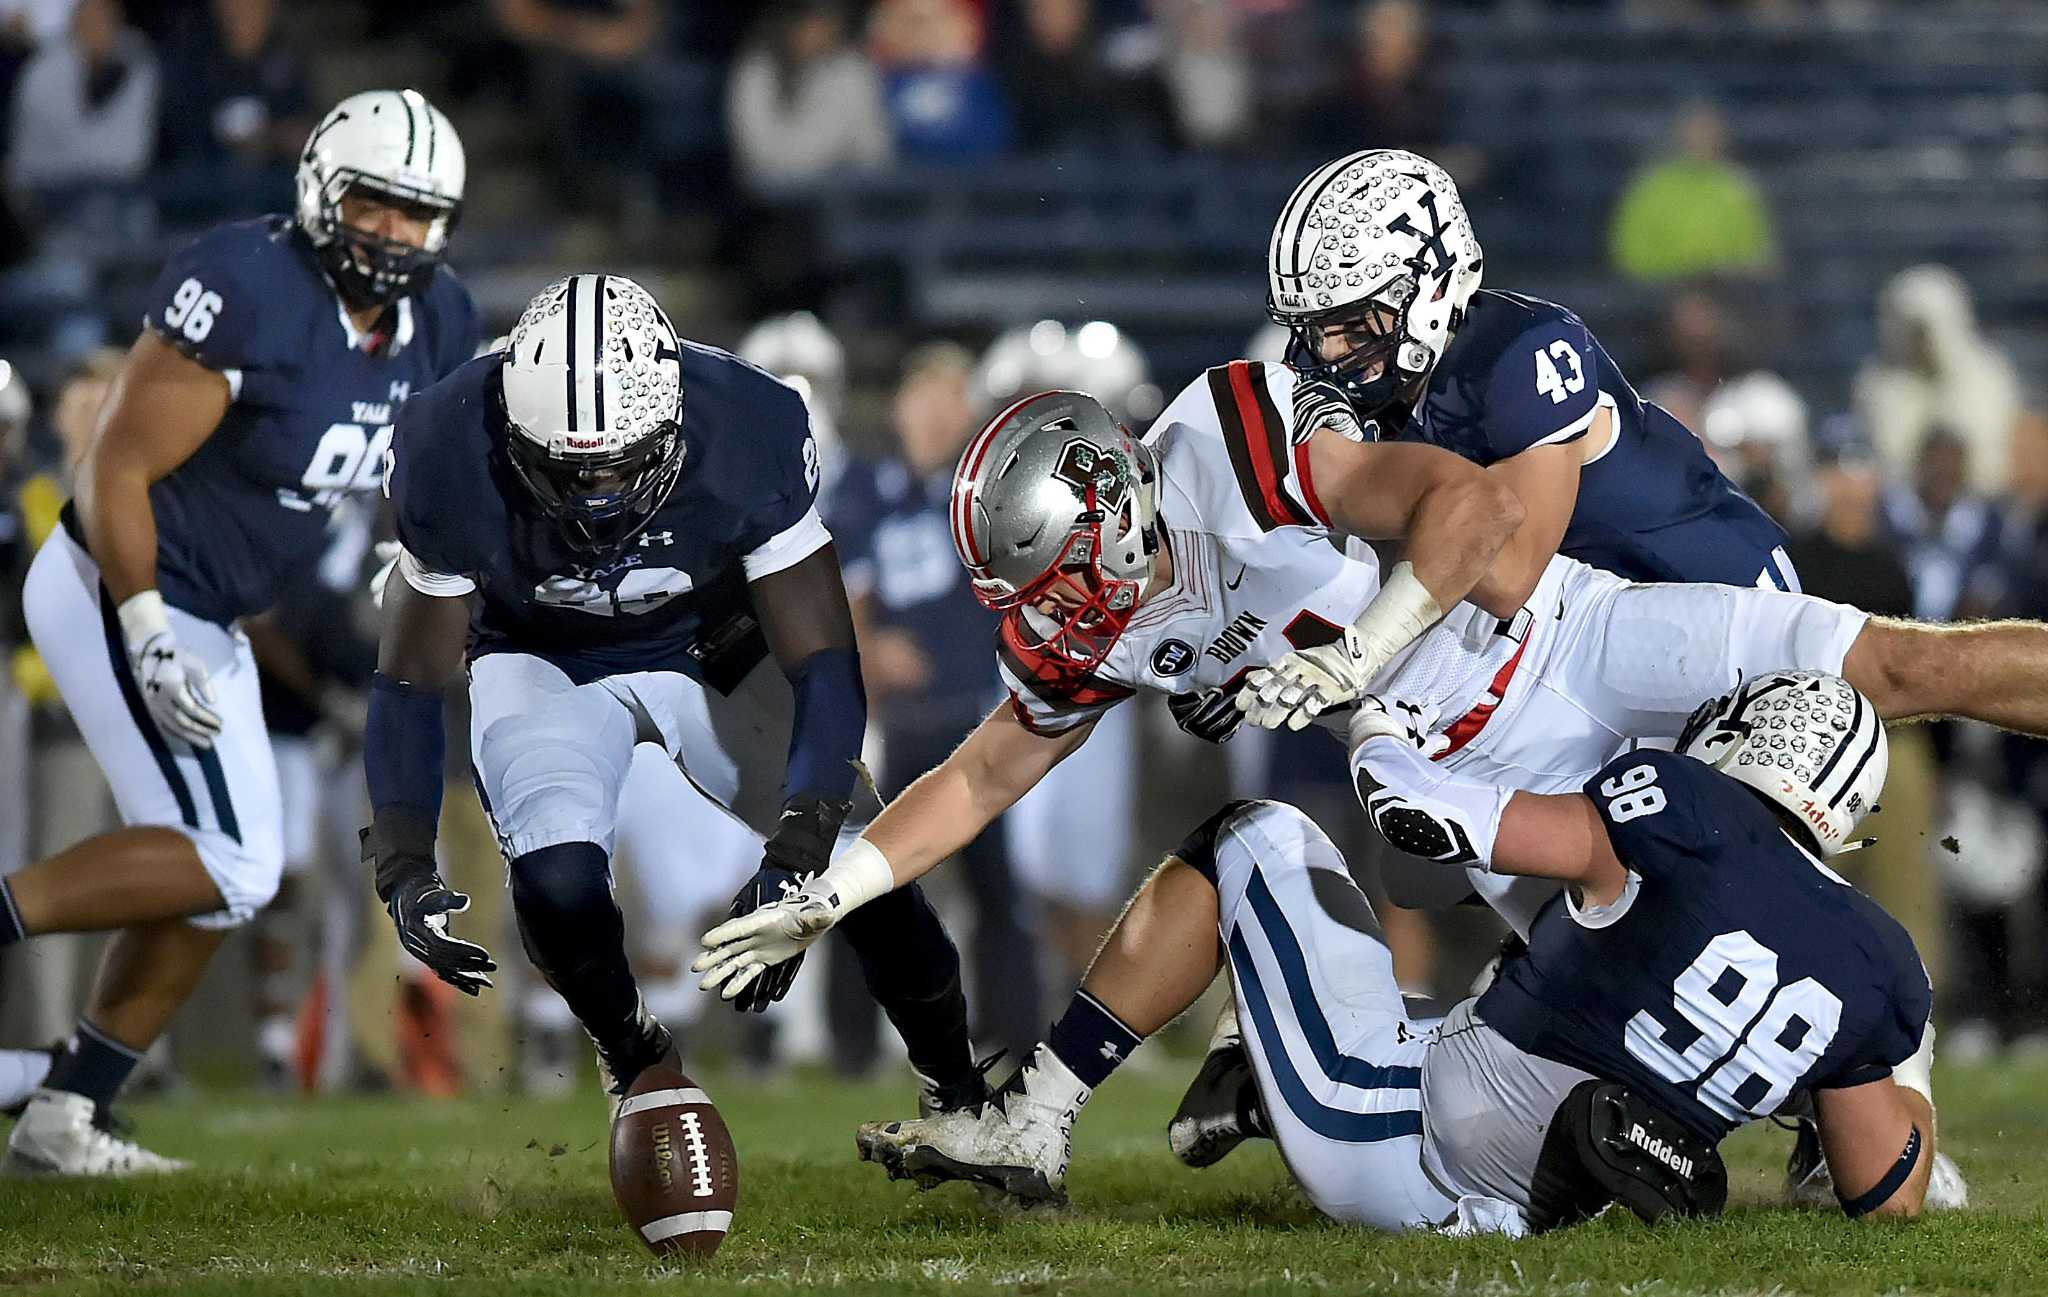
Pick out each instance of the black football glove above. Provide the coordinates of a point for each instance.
(800, 848)
(1211, 715)
(401, 849)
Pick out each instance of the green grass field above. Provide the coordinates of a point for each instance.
(510, 1197)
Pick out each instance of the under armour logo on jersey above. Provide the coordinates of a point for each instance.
(400, 390)
(657, 537)
(1435, 258)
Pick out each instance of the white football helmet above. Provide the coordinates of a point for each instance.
(1381, 241)
(1096, 357)
(593, 388)
(1807, 741)
(1055, 490)
(798, 349)
(395, 144)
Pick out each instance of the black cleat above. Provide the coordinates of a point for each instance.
(1219, 1111)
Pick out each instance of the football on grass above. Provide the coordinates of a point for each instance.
(674, 1170)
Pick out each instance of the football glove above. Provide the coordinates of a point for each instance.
(402, 852)
(744, 948)
(1320, 403)
(769, 885)
(1307, 682)
(1211, 715)
(173, 682)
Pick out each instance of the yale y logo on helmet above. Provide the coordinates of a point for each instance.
(1371, 268)
(1055, 512)
(593, 393)
(1807, 741)
(395, 146)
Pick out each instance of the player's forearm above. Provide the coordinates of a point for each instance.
(1457, 532)
(933, 819)
(830, 721)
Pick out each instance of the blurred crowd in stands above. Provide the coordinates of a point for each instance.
(714, 145)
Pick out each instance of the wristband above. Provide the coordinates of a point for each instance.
(1881, 1193)
(1397, 616)
(861, 874)
(143, 615)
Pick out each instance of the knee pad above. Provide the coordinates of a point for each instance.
(569, 880)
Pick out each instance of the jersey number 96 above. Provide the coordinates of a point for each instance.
(192, 310)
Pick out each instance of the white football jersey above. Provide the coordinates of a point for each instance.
(1257, 572)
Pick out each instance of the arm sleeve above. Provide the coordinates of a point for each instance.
(404, 747)
(1655, 809)
(1254, 408)
(1544, 390)
(1046, 698)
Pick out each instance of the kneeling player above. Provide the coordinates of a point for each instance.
(623, 527)
(1701, 968)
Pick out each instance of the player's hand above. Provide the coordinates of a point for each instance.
(1402, 722)
(1308, 682)
(400, 847)
(419, 907)
(1211, 715)
(174, 684)
(769, 885)
(745, 948)
(1320, 403)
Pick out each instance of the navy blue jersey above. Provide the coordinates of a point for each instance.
(311, 414)
(896, 545)
(675, 598)
(1737, 970)
(1522, 372)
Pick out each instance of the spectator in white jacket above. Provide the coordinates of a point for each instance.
(1935, 369)
(803, 102)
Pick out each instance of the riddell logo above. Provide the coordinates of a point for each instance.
(1660, 1150)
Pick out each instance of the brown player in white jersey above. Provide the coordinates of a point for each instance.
(1217, 560)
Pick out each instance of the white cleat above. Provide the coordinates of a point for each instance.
(56, 1136)
(1018, 1142)
(1946, 1188)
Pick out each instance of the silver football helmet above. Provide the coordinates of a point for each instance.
(1377, 241)
(396, 145)
(1807, 741)
(1056, 505)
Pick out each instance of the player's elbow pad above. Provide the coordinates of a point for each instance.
(404, 747)
(1424, 810)
(831, 720)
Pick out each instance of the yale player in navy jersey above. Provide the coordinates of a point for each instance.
(259, 394)
(1375, 271)
(1703, 968)
(622, 527)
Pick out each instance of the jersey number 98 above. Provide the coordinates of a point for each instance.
(1729, 998)
(192, 310)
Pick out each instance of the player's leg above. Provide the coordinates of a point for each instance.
(551, 757)
(735, 747)
(1995, 672)
(1157, 960)
(202, 853)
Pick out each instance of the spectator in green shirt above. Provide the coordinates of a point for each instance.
(1694, 212)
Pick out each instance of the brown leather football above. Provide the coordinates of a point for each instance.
(674, 1170)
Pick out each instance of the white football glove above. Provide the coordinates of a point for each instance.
(1307, 682)
(740, 950)
(173, 681)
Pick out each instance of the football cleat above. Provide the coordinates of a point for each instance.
(56, 1135)
(654, 1046)
(1219, 1111)
(1018, 1142)
(936, 1100)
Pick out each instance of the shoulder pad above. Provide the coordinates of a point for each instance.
(230, 297)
